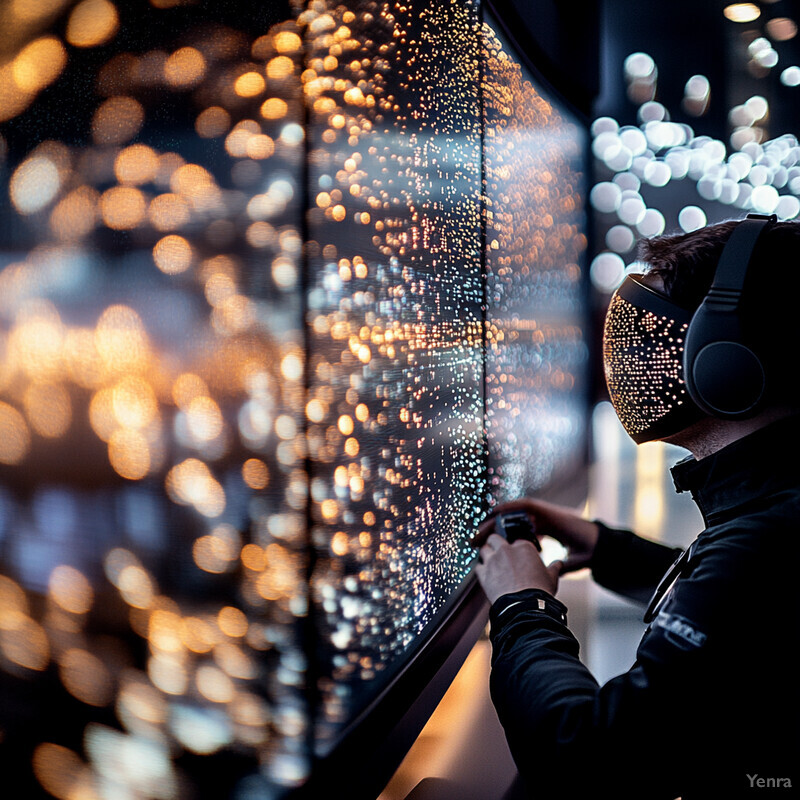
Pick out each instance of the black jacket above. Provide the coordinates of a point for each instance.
(710, 709)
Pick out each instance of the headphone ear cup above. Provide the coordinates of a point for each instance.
(727, 380)
(724, 376)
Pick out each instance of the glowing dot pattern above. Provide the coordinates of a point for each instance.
(397, 298)
(535, 241)
(633, 341)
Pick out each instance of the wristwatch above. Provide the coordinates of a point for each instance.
(536, 600)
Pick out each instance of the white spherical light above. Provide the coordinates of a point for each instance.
(605, 197)
(691, 218)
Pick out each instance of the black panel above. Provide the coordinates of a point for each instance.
(560, 41)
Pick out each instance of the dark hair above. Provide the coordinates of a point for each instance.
(771, 298)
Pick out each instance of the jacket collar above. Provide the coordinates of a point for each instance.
(743, 471)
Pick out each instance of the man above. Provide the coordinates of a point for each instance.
(700, 351)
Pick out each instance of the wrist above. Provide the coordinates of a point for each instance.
(494, 594)
(537, 601)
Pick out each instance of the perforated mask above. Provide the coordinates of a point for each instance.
(643, 360)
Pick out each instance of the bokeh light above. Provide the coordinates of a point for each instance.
(749, 173)
(229, 421)
(92, 23)
(742, 12)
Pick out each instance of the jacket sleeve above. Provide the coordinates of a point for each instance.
(572, 738)
(629, 564)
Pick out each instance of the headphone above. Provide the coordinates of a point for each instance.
(723, 375)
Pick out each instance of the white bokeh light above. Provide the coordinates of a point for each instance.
(618, 159)
(697, 87)
(605, 197)
(758, 45)
(729, 191)
(764, 199)
(627, 181)
(757, 106)
(767, 58)
(709, 188)
(631, 210)
(607, 271)
(791, 76)
(652, 224)
(620, 238)
(639, 66)
(715, 151)
(605, 143)
(652, 111)
(604, 125)
(691, 218)
(657, 173)
(750, 172)
(741, 162)
(788, 207)
(34, 184)
(743, 197)
(633, 139)
(678, 161)
(741, 116)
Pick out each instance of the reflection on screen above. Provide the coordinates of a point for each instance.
(535, 240)
(289, 295)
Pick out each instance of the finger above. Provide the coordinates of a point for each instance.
(520, 504)
(487, 526)
(490, 547)
(569, 566)
(495, 541)
(521, 543)
(574, 563)
(555, 569)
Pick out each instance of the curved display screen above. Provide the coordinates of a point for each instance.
(290, 295)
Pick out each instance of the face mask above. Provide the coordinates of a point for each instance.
(643, 359)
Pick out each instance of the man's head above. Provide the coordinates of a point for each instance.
(649, 317)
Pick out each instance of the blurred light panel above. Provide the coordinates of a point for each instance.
(288, 299)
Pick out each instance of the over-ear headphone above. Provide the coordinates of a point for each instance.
(723, 375)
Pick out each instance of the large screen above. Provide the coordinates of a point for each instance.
(290, 295)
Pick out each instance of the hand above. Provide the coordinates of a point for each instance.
(506, 568)
(577, 534)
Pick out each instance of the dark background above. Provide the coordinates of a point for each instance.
(579, 48)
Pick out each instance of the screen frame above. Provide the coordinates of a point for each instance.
(373, 744)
